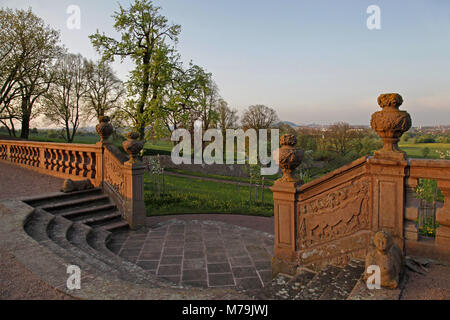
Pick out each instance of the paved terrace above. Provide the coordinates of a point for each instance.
(215, 251)
(199, 250)
(16, 182)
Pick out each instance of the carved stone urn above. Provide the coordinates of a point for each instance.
(288, 157)
(133, 147)
(390, 124)
(104, 128)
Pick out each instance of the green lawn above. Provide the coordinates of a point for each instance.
(82, 139)
(269, 180)
(414, 150)
(190, 195)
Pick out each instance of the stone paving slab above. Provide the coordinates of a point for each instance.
(17, 182)
(197, 253)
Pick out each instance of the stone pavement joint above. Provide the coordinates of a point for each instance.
(200, 253)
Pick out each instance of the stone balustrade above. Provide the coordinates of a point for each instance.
(75, 161)
(120, 176)
(334, 218)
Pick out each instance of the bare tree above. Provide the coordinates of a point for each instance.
(259, 117)
(64, 100)
(340, 137)
(105, 92)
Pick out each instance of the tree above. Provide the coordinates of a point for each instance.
(259, 117)
(339, 137)
(64, 100)
(104, 90)
(26, 76)
(226, 119)
(145, 36)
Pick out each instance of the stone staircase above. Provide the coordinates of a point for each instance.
(77, 227)
(331, 283)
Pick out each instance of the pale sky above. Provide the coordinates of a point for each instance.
(313, 61)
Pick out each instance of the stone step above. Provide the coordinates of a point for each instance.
(36, 226)
(57, 232)
(318, 284)
(284, 287)
(93, 211)
(100, 219)
(82, 203)
(341, 286)
(60, 197)
(115, 226)
(79, 235)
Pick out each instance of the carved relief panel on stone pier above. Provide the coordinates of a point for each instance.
(334, 214)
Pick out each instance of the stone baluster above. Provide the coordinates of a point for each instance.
(411, 210)
(285, 197)
(443, 216)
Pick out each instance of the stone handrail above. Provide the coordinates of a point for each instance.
(63, 160)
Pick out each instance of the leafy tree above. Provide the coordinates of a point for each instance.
(31, 48)
(146, 38)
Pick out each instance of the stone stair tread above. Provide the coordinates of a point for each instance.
(58, 234)
(341, 286)
(98, 218)
(74, 203)
(115, 226)
(284, 287)
(42, 200)
(36, 226)
(319, 283)
(87, 211)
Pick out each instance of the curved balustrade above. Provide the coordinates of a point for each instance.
(57, 159)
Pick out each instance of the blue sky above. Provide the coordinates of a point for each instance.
(314, 61)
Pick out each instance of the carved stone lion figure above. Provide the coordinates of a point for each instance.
(71, 185)
(388, 257)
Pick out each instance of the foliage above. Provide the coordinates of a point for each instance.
(428, 190)
(147, 39)
(187, 195)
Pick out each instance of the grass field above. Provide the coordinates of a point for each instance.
(87, 139)
(416, 150)
(190, 195)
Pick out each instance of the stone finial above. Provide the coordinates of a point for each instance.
(104, 128)
(390, 124)
(132, 146)
(288, 157)
(388, 257)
